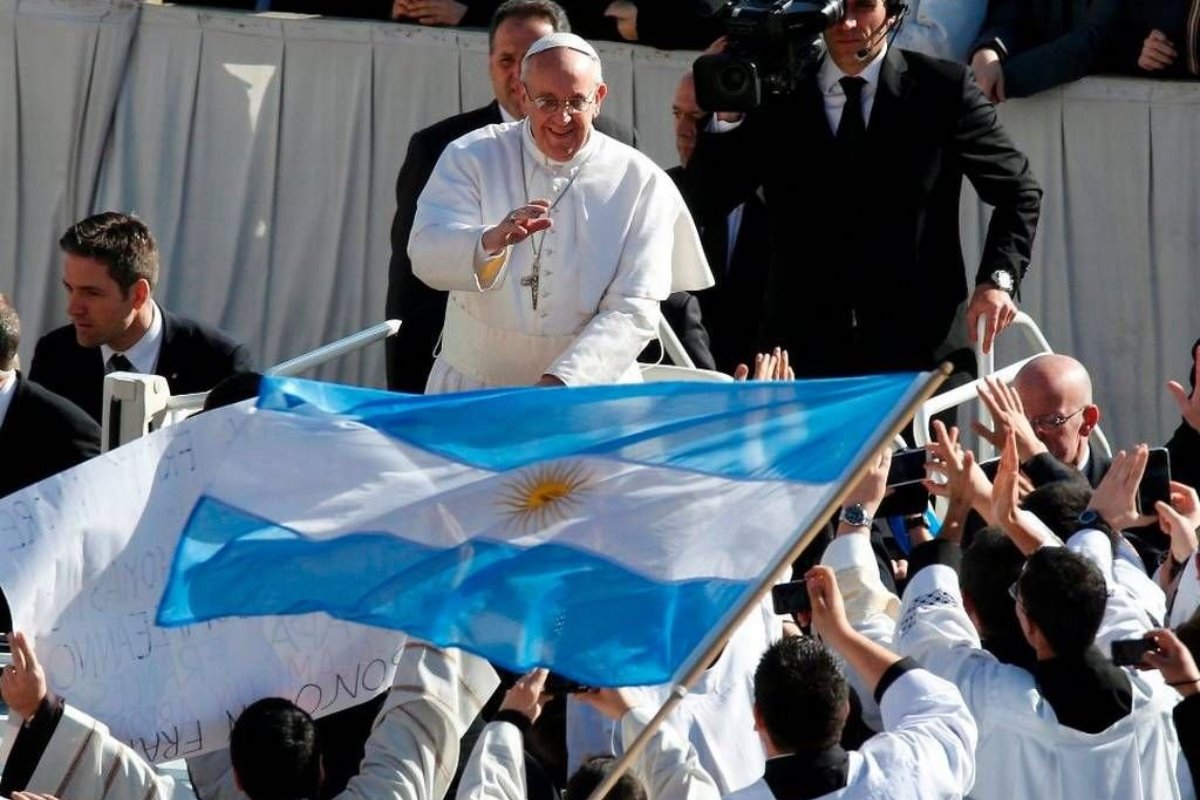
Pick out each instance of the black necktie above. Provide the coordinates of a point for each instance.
(118, 363)
(852, 129)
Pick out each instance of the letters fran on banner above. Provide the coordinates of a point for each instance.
(86, 556)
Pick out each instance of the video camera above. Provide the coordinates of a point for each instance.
(772, 45)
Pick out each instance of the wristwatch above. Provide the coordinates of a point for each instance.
(1002, 279)
(1090, 519)
(856, 516)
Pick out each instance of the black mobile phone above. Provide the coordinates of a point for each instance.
(790, 597)
(560, 684)
(1156, 481)
(908, 466)
(1129, 652)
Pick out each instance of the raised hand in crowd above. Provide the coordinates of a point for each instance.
(429, 12)
(1174, 661)
(829, 621)
(1025, 530)
(1115, 499)
(952, 473)
(1188, 402)
(625, 14)
(528, 695)
(612, 703)
(23, 682)
(1180, 519)
(1158, 52)
(1008, 415)
(771, 366)
(870, 489)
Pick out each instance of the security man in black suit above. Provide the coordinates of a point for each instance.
(861, 169)
(41, 434)
(736, 245)
(515, 26)
(110, 268)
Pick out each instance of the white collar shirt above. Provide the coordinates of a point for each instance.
(828, 80)
(8, 388)
(145, 351)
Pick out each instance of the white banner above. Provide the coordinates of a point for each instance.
(85, 558)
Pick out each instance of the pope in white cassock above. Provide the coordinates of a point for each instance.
(555, 242)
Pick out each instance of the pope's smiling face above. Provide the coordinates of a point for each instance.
(563, 94)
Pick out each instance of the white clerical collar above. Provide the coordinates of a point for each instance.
(8, 388)
(504, 115)
(1084, 456)
(540, 158)
(144, 352)
(831, 73)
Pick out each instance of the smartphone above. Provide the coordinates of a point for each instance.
(790, 597)
(908, 466)
(559, 684)
(1129, 652)
(1156, 482)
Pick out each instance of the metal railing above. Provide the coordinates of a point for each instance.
(986, 367)
(136, 404)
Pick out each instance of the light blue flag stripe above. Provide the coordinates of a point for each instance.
(519, 607)
(804, 430)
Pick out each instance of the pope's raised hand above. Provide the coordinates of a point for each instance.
(518, 225)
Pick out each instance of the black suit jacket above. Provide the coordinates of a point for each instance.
(42, 435)
(194, 358)
(866, 269)
(423, 310)
(731, 307)
(1052, 42)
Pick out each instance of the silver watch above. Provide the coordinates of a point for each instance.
(1002, 279)
(855, 515)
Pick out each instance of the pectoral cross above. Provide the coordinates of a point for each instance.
(531, 280)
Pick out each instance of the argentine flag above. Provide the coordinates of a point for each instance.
(602, 532)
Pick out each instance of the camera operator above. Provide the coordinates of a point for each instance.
(861, 163)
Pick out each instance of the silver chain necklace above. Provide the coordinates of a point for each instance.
(532, 280)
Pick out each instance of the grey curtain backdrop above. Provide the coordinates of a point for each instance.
(263, 151)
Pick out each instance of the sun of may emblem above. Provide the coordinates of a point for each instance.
(544, 495)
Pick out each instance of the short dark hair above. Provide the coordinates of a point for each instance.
(990, 566)
(275, 751)
(10, 334)
(595, 769)
(121, 242)
(1064, 594)
(801, 694)
(528, 9)
(1059, 504)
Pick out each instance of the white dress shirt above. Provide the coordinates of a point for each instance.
(8, 387)
(144, 352)
(835, 97)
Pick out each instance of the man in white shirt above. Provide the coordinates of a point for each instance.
(410, 754)
(1073, 725)
(801, 702)
(556, 242)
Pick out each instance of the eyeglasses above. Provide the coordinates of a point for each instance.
(549, 104)
(1052, 422)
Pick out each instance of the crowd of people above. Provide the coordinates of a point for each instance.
(968, 655)
(1016, 48)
